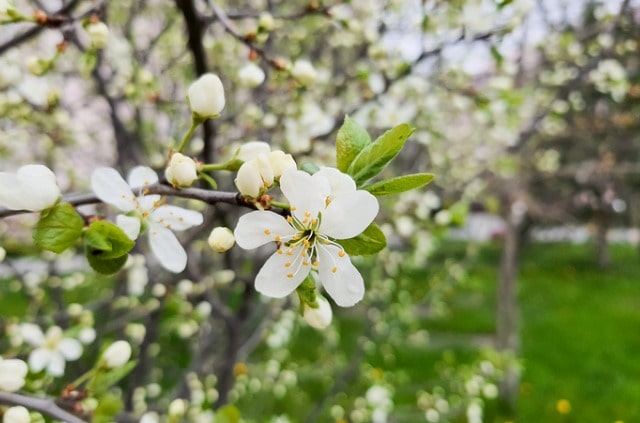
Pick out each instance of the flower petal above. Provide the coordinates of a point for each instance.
(339, 277)
(130, 225)
(141, 176)
(305, 193)
(340, 183)
(11, 192)
(257, 228)
(41, 184)
(349, 214)
(56, 364)
(70, 349)
(176, 218)
(39, 359)
(167, 249)
(282, 273)
(109, 186)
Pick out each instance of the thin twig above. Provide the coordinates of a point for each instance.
(45, 406)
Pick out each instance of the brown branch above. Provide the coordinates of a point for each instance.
(45, 406)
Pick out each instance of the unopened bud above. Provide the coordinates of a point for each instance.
(177, 407)
(16, 414)
(281, 162)
(304, 72)
(117, 355)
(251, 75)
(266, 22)
(98, 34)
(221, 239)
(320, 317)
(254, 176)
(182, 170)
(206, 96)
(252, 149)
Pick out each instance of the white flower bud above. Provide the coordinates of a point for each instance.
(221, 239)
(98, 34)
(252, 149)
(251, 75)
(254, 176)
(117, 355)
(281, 162)
(266, 21)
(319, 318)
(16, 414)
(177, 407)
(12, 374)
(32, 187)
(206, 96)
(182, 170)
(304, 72)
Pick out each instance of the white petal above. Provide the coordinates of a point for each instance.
(341, 183)
(56, 364)
(39, 359)
(109, 186)
(176, 218)
(339, 276)
(148, 202)
(349, 214)
(282, 273)
(257, 228)
(249, 182)
(70, 349)
(32, 334)
(167, 249)
(305, 193)
(141, 176)
(40, 183)
(130, 225)
(11, 192)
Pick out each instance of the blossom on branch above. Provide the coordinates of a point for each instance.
(181, 171)
(12, 374)
(33, 187)
(257, 175)
(206, 96)
(52, 350)
(324, 207)
(318, 317)
(16, 414)
(146, 212)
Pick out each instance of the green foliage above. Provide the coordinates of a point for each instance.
(228, 414)
(375, 156)
(307, 293)
(371, 241)
(103, 378)
(351, 140)
(106, 247)
(108, 406)
(399, 184)
(58, 228)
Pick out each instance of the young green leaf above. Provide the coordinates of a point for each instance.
(399, 184)
(351, 139)
(109, 405)
(58, 228)
(228, 414)
(371, 241)
(375, 156)
(106, 247)
(103, 379)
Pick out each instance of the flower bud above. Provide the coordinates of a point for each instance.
(252, 149)
(117, 355)
(281, 162)
(304, 72)
(221, 239)
(12, 374)
(320, 317)
(206, 96)
(98, 34)
(177, 407)
(16, 414)
(251, 75)
(182, 170)
(254, 176)
(32, 187)
(266, 22)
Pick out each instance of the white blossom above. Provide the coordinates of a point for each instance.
(12, 374)
(266, 21)
(251, 75)
(16, 414)
(304, 72)
(281, 163)
(255, 176)
(117, 355)
(52, 350)
(252, 149)
(98, 34)
(206, 96)
(181, 171)
(33, 187)
(319, 317)
(149, 212)
(324, 207)
(221, 239)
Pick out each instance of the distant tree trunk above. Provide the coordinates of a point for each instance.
(507, 333)
(603, 221)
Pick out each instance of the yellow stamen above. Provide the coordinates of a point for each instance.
(305, 263)
(289, 219)
(146, 190)
(314, 221)
(341, 253)
(293, 208)
(334, 270)
(290, 275)
(315, 263)
(277, 238)
(287, 264)
(267, 231)
(307, 214)
(279, 251)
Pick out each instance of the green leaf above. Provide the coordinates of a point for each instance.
(399, 184)
(227, 414)
(371, 241)
(103, 379)
(374, 157)
(106, 247)
(109, 405)
(58, 228)
(503, 3)
(351, 140)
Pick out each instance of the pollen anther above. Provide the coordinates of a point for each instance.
(267, 231)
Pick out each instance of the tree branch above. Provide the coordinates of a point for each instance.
(45, 406)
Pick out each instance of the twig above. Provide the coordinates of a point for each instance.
(45, 406)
